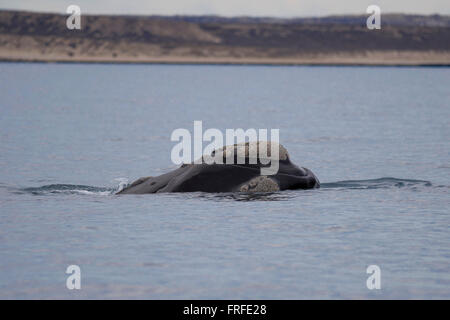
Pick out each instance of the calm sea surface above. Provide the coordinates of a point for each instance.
(377, 138)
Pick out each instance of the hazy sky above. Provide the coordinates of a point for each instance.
(282, 8)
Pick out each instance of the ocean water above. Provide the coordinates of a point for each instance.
(73, 134)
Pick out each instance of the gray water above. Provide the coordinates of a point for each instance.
(377, 138)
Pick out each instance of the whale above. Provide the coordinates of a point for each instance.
(243, 174)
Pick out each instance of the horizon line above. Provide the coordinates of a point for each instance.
(229, 16)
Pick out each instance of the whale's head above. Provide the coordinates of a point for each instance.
(261, 166)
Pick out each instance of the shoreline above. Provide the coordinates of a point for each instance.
(350, 62)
